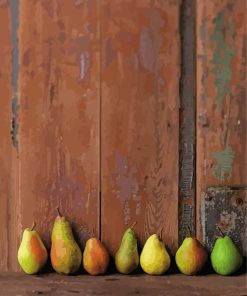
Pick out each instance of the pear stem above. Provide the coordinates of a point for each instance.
(132, 226)
(58, 211)
(160, 234)
(33, 226)
(219, 229)
(189, 231)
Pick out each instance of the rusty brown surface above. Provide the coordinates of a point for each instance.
(175, 285)
(221, 96)
(140, 108)
(58, 139)
(5, 128)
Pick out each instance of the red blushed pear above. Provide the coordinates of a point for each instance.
(191, 256)
(32, 254)
(95, 257)
(66, 256)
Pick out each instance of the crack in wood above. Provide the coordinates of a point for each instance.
(187, 119)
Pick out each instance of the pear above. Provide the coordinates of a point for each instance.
(127, 257)
(225, 257)
(191, 256)
(32, 254)
(95, 257)
(154, 257)
(66, 256)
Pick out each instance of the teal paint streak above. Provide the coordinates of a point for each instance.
(14, 5)
(222, 57)
(224, 161)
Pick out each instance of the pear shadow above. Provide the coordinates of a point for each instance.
(243, 268)
(173, 267)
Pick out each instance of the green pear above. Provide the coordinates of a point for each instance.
(66, 256)
(32, 254)
(127, 257)
(225, 257)
(191, 256)
(154, 257)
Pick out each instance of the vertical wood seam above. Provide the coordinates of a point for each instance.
(187, 156)
(100, 117)
(14, 226)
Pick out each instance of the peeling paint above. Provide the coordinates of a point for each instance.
(147, 49)
(228, 219)
(138, 208)
(222, 57)
(128, 185)
(26, 58)
(127, 217)
(48, 7)
(224, 160)
(135, 61)
(3, 3)
(203, 33)
(84, 64)
(90, 6)
(219, 207)
(15, 71)
(78, 2)
(128, 188)
(110, 54)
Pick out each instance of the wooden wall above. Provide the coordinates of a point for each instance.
(118, 111)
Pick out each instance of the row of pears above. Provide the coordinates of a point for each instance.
(67, 258)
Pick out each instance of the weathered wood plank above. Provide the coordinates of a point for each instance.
(59, 115)
(221, 96)
(115, 284)
(140, 119)
(5, 129)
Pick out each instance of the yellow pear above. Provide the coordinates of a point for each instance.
(154, 257)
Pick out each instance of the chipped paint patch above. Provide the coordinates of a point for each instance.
(127, 217)
(15, 71)
(128, 185)
(110, 54)
(147, 49)
(228, 219)
(222, 57)
(78, 2)
(84, 64)
(224, 161)
(203, 32)
(128, 188)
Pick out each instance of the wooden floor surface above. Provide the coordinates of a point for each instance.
(19, 284)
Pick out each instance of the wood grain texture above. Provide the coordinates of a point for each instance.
(139, 119)
(53, 284)
(5, 129)
(59, 115)
(221, 96)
